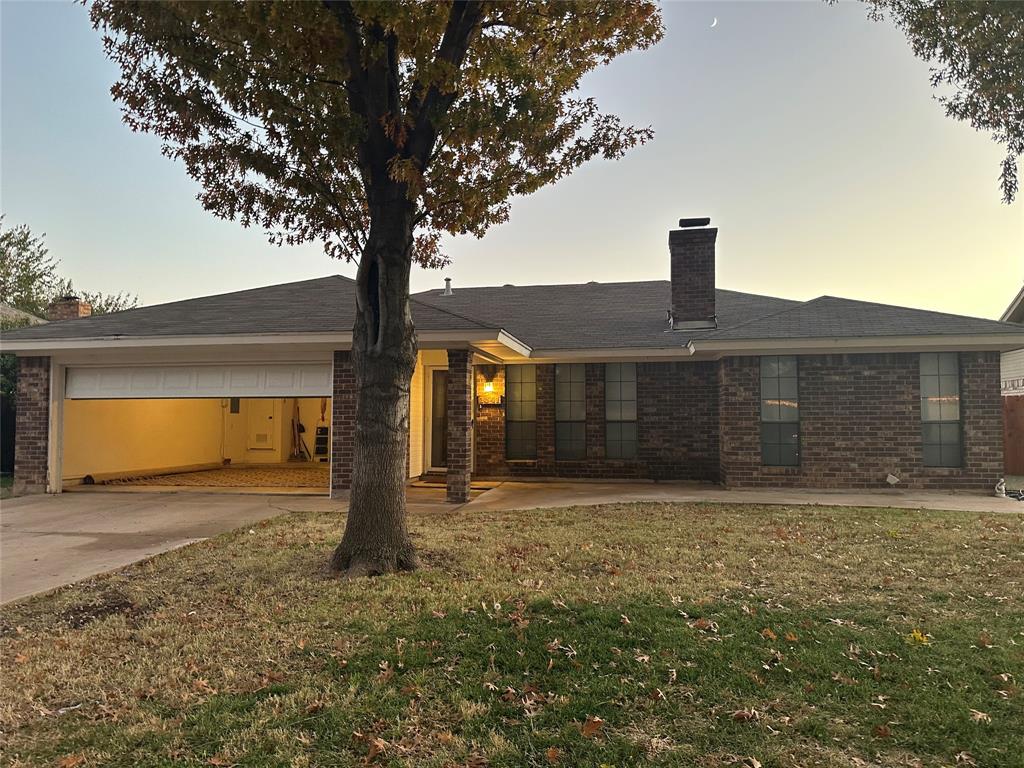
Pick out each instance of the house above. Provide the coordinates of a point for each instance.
(664, 380)
(1013, 394)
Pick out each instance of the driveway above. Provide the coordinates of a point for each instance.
(48, 541)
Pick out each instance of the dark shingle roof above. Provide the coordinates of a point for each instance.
(833, 317)
(323, 305)
(545, 317)
(593, 315)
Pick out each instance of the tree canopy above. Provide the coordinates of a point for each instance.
(978, 51)
(287, 113)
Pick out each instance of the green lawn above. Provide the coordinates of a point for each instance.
(6, 481)
(637, 634)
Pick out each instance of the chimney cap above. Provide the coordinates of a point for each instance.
(701, 221)
(447, 287)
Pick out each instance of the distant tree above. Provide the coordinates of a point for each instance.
(978, 50)
(28, 274)
(29, 281)
(375, 128)
(101, 303)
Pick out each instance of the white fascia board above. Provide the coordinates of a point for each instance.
(333, 341)
(1002, 342)
(47, 346)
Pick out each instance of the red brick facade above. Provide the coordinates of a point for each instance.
(859, 421)
(343, 423)
(32, 425)
(460, 417)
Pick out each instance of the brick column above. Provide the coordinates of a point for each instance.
(32, 425)
(460, 424)
(343, 423)
(595, 413)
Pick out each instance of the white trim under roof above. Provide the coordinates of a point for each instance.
(1016, 308)
(999, 342)
(333, 341)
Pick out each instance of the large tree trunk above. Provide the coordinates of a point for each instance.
(376, 539)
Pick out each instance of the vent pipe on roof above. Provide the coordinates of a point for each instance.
(447, 287)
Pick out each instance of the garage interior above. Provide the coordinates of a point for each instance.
(260, 443)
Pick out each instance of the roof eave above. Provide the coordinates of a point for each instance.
(1001, 342)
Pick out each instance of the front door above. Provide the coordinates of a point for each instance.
(261, 425)
(438, 419)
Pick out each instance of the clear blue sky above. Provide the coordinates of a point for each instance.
(808, 133)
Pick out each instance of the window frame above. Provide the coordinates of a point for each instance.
(773, 431)
(611, 403)
(571, 378)
(933, 392)
(513, 404)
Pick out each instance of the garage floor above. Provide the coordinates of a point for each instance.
(269, 476)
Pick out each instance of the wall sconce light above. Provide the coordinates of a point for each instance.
(488, 394)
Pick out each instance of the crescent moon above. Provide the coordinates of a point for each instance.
(714, 23)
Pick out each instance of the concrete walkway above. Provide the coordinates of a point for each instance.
(535, 495)
(49, 541)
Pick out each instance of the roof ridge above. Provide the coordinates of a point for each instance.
(915, 309)
(759, 318)
(413, 300)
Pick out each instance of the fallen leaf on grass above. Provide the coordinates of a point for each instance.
(71, 761)
(882, 731)
(704, 625)
(21, 658)
(552, 754)
(592, 727)
(791, 637)
(767, 634)
(965, 758)
(746, 716)
(980, 717)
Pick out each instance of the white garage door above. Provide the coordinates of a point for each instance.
(158, 381)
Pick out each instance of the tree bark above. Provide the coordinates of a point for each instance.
(376, 539)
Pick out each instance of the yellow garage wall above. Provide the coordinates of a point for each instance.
(108, 436)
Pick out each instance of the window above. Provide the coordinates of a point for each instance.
(940, 409)
(780, 411)
(620, 410)
(521, 412)
(235, 405)
(570, 411)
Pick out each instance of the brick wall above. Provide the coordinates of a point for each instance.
(343, 423)
(677, 426)
(460, 415)
(860, 419)
(677, 408)
(692, 255)
(32, 425)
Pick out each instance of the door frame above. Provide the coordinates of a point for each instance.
(428, 421)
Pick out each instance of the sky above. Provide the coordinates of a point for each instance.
(808, 134)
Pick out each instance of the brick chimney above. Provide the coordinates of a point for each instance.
(692, 252)
(68, 308)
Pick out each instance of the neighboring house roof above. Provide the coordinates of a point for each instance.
(7, 312)
(537, 321)
(1015, 312)
(594, 315)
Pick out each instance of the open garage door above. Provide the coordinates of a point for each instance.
(198, 381)
(200, 426)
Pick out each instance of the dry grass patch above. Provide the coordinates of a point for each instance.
(656, 634)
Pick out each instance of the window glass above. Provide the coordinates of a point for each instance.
(780, 411)
(620, 410)
(570, 411)
(521, 412)
(940, 409)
